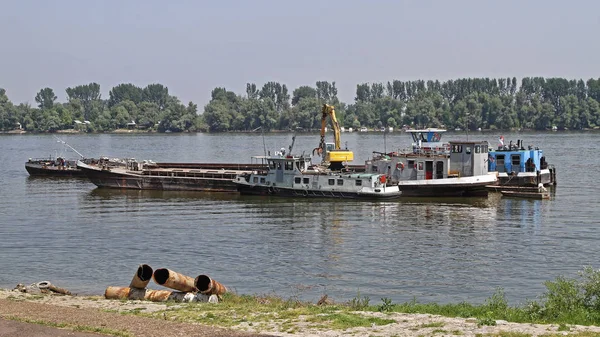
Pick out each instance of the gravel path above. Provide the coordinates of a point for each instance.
(89, 317)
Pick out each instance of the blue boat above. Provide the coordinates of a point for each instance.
(520, 166)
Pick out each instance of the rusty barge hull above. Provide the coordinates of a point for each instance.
(167, 178)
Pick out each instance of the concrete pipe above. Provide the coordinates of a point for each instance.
(208, 286)
(142, 277)
(170, 279)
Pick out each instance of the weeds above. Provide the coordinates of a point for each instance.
(386, 306)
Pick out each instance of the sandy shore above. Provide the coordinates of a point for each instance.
(97, 312)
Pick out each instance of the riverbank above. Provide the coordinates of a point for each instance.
(142, 318)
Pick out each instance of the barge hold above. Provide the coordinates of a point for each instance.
(210, 177)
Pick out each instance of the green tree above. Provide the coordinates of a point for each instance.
(45, 98)
(125, 92)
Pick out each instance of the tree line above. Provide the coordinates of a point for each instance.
(535, 103)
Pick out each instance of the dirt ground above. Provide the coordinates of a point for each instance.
(91, 313)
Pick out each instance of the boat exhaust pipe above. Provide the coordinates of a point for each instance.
(208, 286)
(127, 293)
(142, 277)
(170, 279)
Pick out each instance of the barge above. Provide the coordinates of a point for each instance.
(145, 175)
(50, 167)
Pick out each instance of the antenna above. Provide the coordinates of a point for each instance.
(263, 138)
(69, 146)
(293, 141)
(384, 141)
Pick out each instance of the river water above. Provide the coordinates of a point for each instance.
(84, 239)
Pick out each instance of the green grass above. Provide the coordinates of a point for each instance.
(433, 325)
(566, 302)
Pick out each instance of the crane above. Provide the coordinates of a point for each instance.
(332, 153)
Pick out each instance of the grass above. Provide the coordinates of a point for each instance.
(566, 302)
(81, 328)
(432, 325)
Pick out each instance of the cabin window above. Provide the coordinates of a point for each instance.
(484, 148)
(305, 180)
(279, 166)
(411, 164)
(358, 182)
(456, 148)
(340, 182)
(255, 180)
(331, 182)
(289, 165)
(477, 149)
(272, 165)
(515, 159)
(298, 165)
(374, 168)
(421, 166)
(262, 180)
(468, 150)
(297, 180)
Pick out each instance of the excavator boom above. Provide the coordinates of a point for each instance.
(337, 155)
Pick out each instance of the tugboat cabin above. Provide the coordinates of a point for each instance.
(468, 159)
(427, 141)
(515, 158)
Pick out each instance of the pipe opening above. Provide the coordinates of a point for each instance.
(144, 272)
(202, 283)
(161, 275)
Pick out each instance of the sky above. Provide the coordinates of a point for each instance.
(194, 46)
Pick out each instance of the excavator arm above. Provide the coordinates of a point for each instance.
(337, 155)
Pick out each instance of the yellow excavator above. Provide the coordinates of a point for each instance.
(332, 152)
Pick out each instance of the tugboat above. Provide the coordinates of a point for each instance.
(435, 169)
(296, 176)
(520, 166)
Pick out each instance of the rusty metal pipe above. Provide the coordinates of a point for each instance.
(208, 286)
(124, 293)
(127, 293)
(170, 279)
(142, 277)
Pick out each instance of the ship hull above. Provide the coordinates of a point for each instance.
(307, 193)
(40, 170)
(210, 182)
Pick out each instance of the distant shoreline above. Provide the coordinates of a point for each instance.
(125, 131)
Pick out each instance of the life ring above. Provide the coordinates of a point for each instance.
(270, 190)
(382, 179)
(400, 165)
(305, 193)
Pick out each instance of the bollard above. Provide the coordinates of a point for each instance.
(142, 277)
(208, 286)
(170, 279)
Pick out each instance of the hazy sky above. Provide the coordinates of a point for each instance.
(194, 46)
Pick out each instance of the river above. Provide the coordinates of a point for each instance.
(84, 239)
